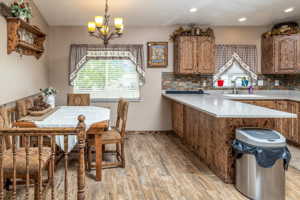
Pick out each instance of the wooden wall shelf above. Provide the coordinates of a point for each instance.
(16, 28)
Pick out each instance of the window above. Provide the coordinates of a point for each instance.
(233, 76)
(108, 79)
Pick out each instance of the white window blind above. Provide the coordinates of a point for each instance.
(108, 79)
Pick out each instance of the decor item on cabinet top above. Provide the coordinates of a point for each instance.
(192, 30)
(21, 9)
(286, 28)
(5, 10)
(49, 94)
(157, 54)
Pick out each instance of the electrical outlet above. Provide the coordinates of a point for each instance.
(260, 82)
(277, 83)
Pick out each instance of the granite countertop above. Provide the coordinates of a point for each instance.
(221, 105)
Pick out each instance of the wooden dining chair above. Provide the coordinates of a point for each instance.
(116, 135)
(28, 163)
(14, 159)
(79, 99)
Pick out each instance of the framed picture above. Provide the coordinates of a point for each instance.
(157, 54)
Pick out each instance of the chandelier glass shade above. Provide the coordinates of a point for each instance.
(100, 27)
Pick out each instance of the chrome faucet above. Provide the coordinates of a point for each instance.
(235, 89)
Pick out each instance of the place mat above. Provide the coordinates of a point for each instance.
(30, 118)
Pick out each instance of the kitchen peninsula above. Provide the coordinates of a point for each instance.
(207, 123)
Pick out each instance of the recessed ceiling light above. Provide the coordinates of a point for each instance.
(289, 10)
(242, 19)
(193, 10)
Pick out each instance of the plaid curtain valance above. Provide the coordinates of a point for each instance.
(248, 54)
(80, 54)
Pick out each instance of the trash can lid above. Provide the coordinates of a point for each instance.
(260, 137)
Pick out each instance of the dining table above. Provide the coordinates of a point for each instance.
(96, 120)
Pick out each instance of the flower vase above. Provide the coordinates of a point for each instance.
(50, 100)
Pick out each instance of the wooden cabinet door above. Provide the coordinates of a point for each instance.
(297, 133)
(287, 49)
(205, 55)
(177, 118)
(285, 125)
(293, 107)
(281, 106)
(185, 55)
(267, 58)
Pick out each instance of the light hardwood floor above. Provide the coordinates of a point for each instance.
(159, 166)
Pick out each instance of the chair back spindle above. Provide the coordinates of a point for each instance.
(14, 154)
(1, 167)
(66, 142)
(40, 184)
(52, 166)
(26, 140)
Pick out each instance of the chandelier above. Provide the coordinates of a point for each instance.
(100, 28)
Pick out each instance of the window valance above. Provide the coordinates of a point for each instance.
(80, 54)
(247, 53)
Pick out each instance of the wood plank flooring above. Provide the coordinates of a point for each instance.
(160, 167)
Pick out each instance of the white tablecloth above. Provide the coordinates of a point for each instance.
(66, 116)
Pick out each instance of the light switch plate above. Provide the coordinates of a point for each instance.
(277, 83)
(260, 82)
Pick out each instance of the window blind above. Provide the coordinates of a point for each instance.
(108, 79)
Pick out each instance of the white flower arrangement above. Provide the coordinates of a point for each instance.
(49, 91)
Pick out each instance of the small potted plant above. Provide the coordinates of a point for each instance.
(49, 94)
(21, 9)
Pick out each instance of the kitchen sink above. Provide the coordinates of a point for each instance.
(242, 95)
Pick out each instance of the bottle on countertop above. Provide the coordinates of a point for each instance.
(250, 89)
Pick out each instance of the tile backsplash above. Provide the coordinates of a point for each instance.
(170, 81)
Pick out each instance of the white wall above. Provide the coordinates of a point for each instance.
(21, 76)
(153, 113)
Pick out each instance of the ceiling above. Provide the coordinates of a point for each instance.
(170, 12)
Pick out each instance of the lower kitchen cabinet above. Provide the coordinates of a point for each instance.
(185, 122)
(210, 137)
(177, 118)
(289, 128)
(293, 107)
(285, 127)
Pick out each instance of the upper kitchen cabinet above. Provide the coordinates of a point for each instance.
(281, 54)
(194, 53)
(184, 58)
(205, 55)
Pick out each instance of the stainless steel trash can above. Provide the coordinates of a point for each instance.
(252, 180)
